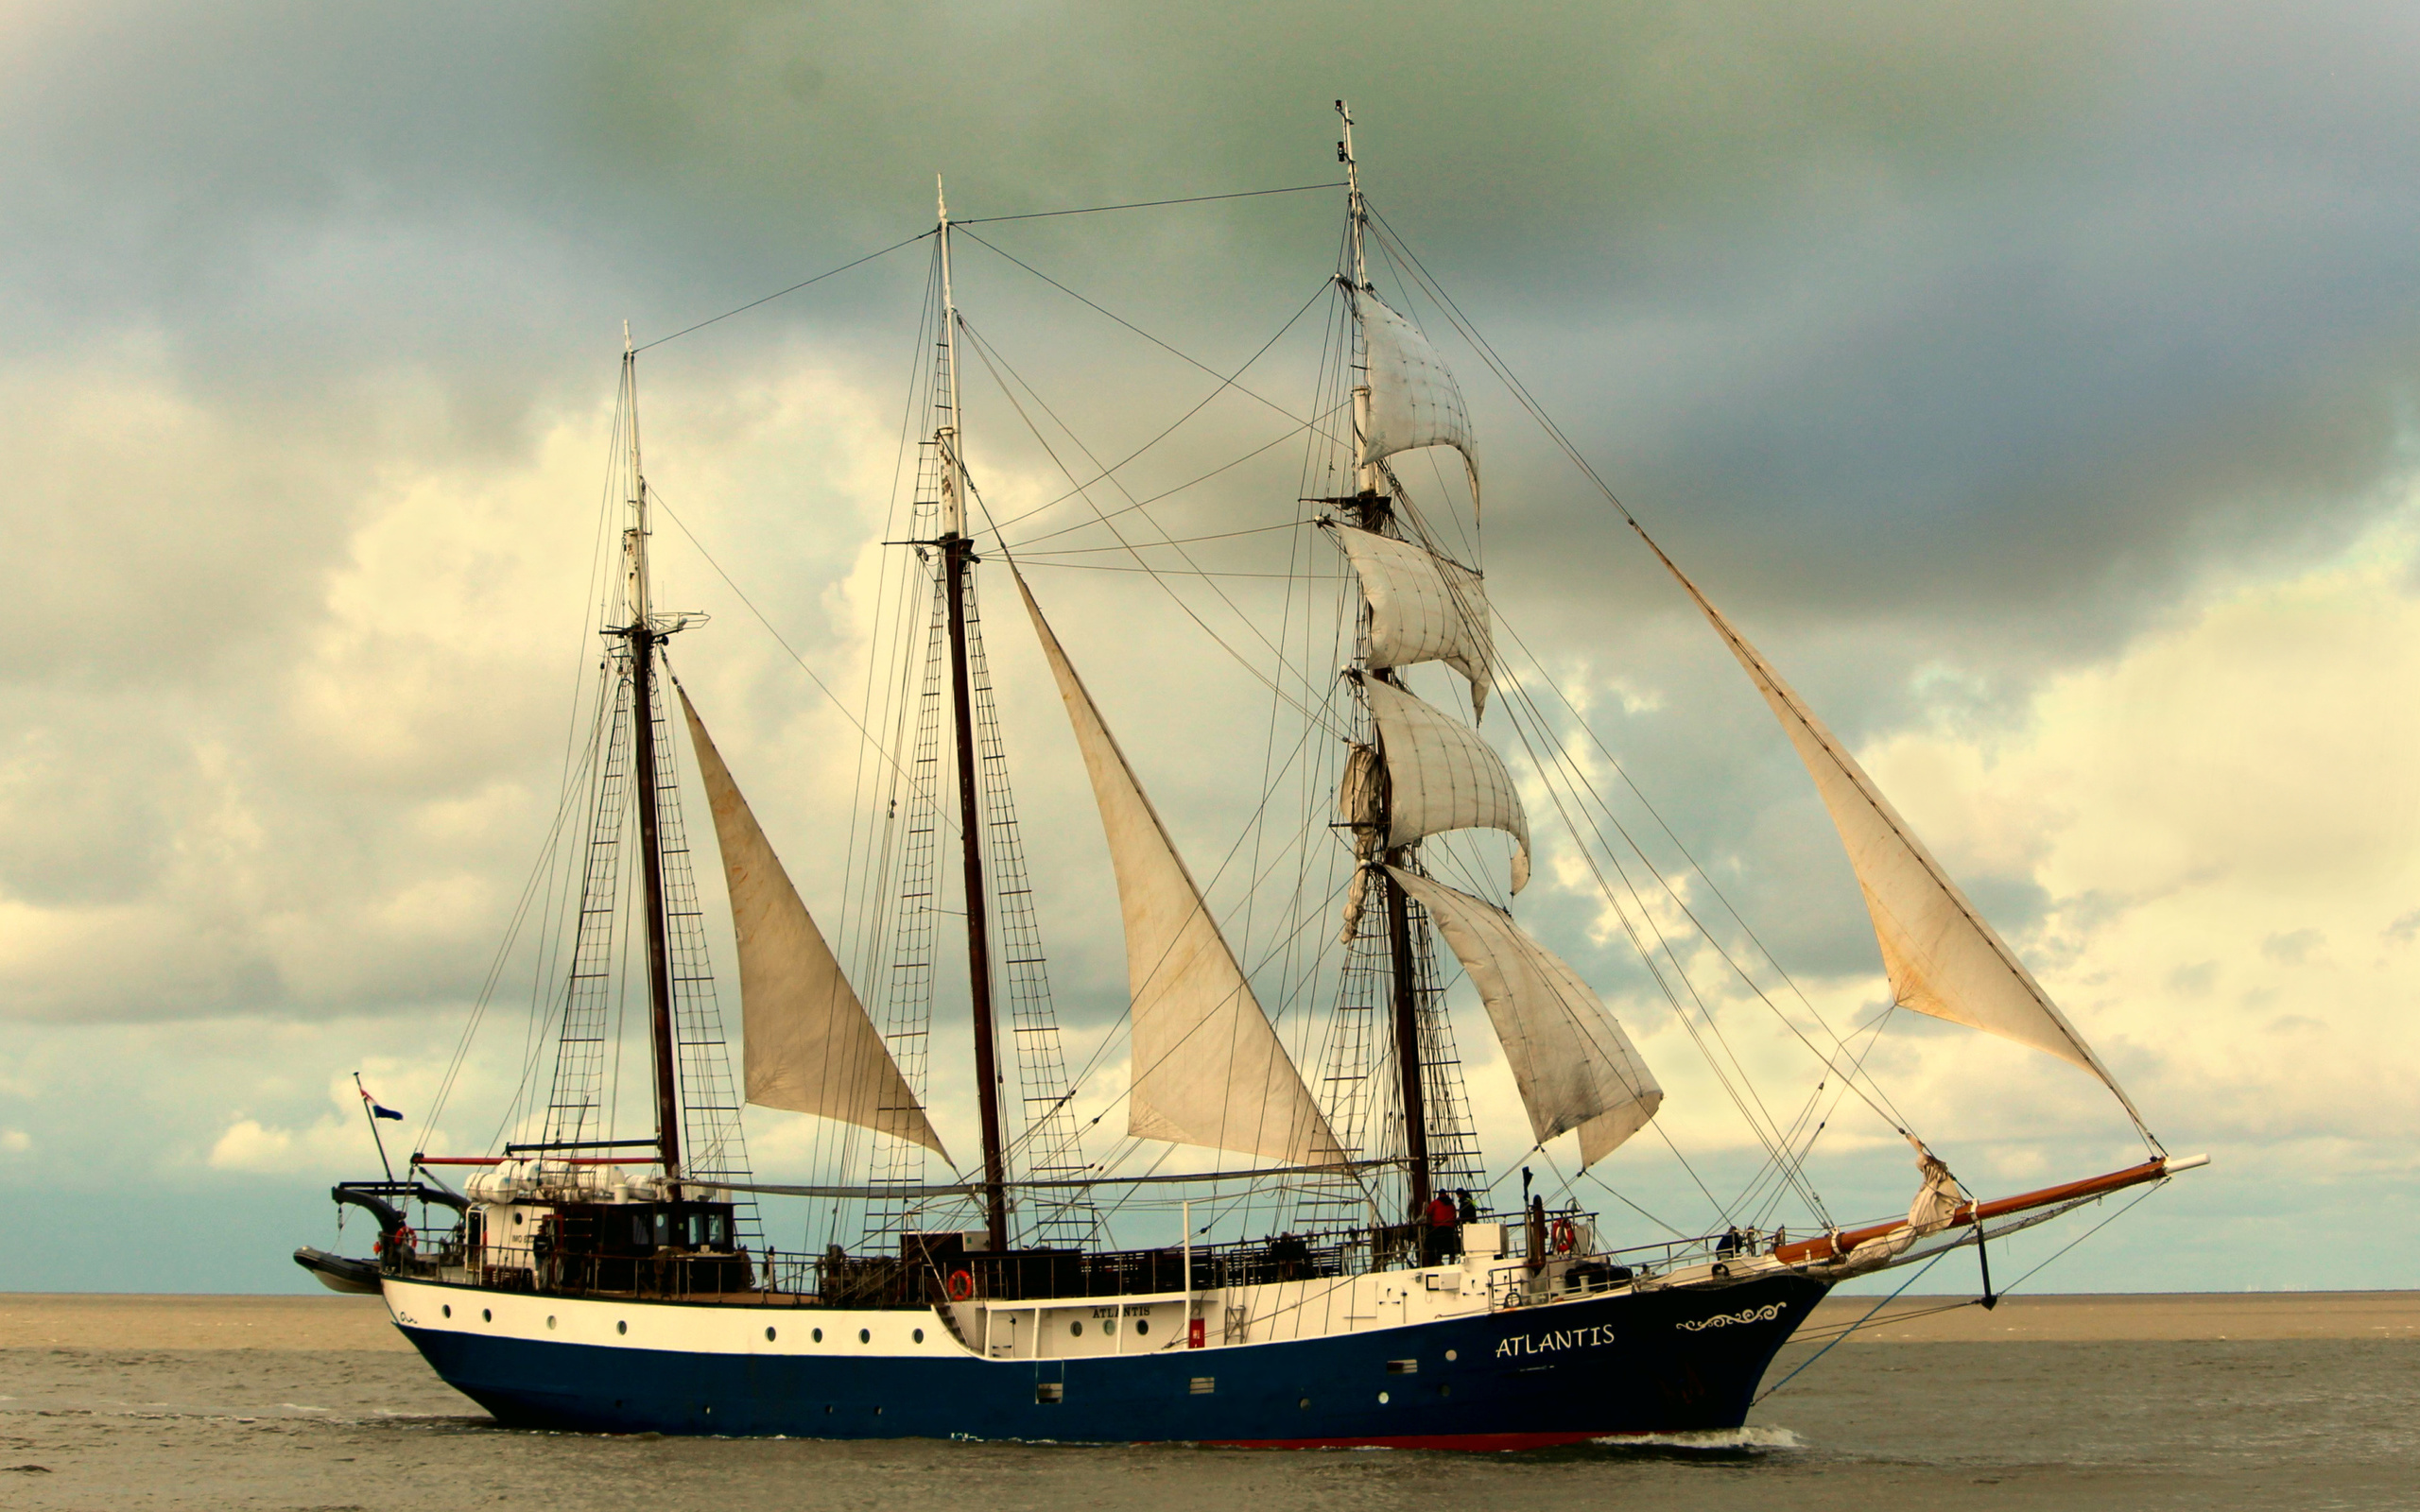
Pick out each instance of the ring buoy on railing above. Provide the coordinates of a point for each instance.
(1566, 1238)
(962, 1285)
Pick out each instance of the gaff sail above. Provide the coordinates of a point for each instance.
(809, 1046)
(1208, 1069)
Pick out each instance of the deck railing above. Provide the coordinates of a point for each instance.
(924, 1276)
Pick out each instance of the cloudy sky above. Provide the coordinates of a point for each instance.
(2035, 386)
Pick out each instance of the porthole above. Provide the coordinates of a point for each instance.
(1076, 1329)
(920, 1335)
(449, 1310)
(1444, 1391)
(550, 1322)
(1382, 1398)
(1304, 1403)
(865, 1336)
(1452, 1356)
(769, 1335)
(818, 1336)
(1109, 1325)
(487, 1314)
(623, 1327)
(1142, 1326)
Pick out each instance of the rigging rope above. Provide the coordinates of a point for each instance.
(778, 293)
(1148, 205)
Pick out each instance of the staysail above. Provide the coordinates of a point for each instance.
(1442, 775)
(1413, 399)
(1943, 958)
(1423, 608)
(810, 1047)
(1575, 1068)
(1208, 1069)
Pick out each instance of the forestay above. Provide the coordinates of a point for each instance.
(809, 1046)
(1208, 1069)
(1423, 608)
(1442, 775)
(1575, 1068)
(1413, 399)
(1943, 958)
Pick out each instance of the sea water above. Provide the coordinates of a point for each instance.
(2300, 1423)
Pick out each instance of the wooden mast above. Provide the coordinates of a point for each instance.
(958, 555)
(1405, 966)
(640, 636)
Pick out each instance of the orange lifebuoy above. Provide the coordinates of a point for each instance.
(962, 1285)
(405, 1241)
(1565, 1236)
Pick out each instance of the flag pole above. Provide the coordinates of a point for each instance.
(368, 1106)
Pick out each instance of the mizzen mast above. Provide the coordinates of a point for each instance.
(641, 637)
(958, 555)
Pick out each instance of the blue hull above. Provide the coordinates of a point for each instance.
(1662, 1361)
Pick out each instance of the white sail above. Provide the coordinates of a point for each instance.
(1208, 1069)
(1442, 775)
(1943, 958)
(1573, 1064)
(1421, 609)
(809, 1047)
(1413, 399)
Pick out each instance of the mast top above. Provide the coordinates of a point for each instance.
(1353, 194)
(945, 435)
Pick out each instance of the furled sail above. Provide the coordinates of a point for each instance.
(1413, 399)
(1442, 775)
(1208, 1069)
(1943, 958)
(1573, 1064)
(811, 1048)
(1421, 609)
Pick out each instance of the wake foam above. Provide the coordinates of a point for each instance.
(1712, 1440)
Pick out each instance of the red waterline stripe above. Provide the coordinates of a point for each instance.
(1471, 1443)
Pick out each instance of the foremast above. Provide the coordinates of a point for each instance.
(1371, 507)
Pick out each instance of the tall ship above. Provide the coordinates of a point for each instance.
(1254, 1209)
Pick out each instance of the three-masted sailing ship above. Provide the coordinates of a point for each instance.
(1358, 1281)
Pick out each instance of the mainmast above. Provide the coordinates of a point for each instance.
(641, 636)
(1373, 507)
(958, 555)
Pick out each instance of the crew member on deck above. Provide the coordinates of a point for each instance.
(1444, 1240)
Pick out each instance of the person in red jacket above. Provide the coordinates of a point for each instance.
(1442, 1235)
